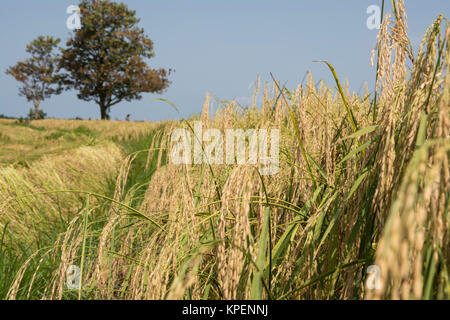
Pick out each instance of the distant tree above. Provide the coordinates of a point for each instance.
(2, 116)
(106, 58)
(39, 73)
(36, 114)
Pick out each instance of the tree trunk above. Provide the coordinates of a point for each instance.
(103, 112)
(36, 108)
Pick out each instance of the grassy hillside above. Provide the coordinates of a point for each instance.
(363, 181)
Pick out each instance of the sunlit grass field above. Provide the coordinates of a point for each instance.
(363, 181)
(24, 141)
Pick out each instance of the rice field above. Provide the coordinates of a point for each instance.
(363, 181)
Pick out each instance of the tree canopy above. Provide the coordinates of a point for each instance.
(105, 60)
(38, 74)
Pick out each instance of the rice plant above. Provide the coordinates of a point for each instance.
(363, 181)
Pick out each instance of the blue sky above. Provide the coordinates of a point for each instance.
(217, 46)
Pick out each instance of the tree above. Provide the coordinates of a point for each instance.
(36, 115)
(106, 58)
(39, 73)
